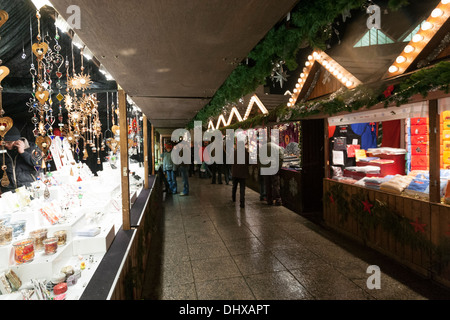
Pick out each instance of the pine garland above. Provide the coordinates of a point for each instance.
(379, 215)
(310, 25)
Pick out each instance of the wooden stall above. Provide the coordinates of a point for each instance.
(373, 83)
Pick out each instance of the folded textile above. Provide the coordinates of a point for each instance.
(365, 169)
(368, 159)
(373, 182)
(382, 161)
(386, 150)
(419, 185)
(397, 184)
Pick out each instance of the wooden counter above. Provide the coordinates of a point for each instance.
(415, 233)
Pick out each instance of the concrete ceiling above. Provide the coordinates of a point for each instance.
(171, 56)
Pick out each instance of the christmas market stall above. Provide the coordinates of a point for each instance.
(81, 227)
(384, 104)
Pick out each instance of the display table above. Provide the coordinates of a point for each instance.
(88, 208)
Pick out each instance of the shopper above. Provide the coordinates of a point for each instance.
(183, 168)
(216, 168)
(169, 168)
(20, 161)
(272, 182)
(240, 174)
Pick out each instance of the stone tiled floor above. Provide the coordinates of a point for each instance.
(212, 249)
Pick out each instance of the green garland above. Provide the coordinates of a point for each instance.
(344, 100)
(310, 25)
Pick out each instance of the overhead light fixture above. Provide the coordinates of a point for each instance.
(41, 3)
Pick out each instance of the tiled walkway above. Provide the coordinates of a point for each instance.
(212, 249)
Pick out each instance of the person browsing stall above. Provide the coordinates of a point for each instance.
(19, 162)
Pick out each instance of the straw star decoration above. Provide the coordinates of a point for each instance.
(418, 226)
(367, 206)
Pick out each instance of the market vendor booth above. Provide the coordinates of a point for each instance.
(386, 154)
(83, 225)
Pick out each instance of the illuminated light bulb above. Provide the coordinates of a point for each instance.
(305, 70)
(325, 63)
(349, 83)
(427, 26)
(302, 75)
(437, 13)
(289, 104)
(297, 85)
(315, 54)
(339, 76)
(400, 59)
(417, 37)
(307, 63)
(393, 69)
(291, 100)
(295, 90)
(310, 57)
(331, 69)
(335, 73)
(409, 49)
(299, 81)
(445, 1)
(344, 79)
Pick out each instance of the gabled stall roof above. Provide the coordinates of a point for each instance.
(370, 64)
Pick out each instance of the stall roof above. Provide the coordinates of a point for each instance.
(172, 56)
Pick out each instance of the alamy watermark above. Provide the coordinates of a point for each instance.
(228, 149)
(374, 280)
(74, 20)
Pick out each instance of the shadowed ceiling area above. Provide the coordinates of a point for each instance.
(171, 56)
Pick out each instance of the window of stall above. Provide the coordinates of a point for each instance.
(385, 149)
(290, 141)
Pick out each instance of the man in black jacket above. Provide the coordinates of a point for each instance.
(20, 161)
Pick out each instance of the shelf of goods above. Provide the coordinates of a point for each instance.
(87, 208)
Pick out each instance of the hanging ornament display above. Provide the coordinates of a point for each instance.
(6, 123)
(84, 123)
(278, 73)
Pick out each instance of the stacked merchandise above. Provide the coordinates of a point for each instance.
(418, 136)
(445, 140)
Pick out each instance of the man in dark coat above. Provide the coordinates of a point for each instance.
(239, 173)
(20, 161)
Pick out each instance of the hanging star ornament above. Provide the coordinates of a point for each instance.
(278, 74)
(281, 77)
(418, 226)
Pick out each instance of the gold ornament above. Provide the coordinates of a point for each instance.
(44, 143)
(5, 181)
(40, 49)
(113, 144)
(6, 124)
(4, 71)
(3, 17)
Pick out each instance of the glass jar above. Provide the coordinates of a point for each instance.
(5, 219)
(24, 251)
(6, 235)
(39, 236)
(62, 237)
(18, 227)
(51, 245)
